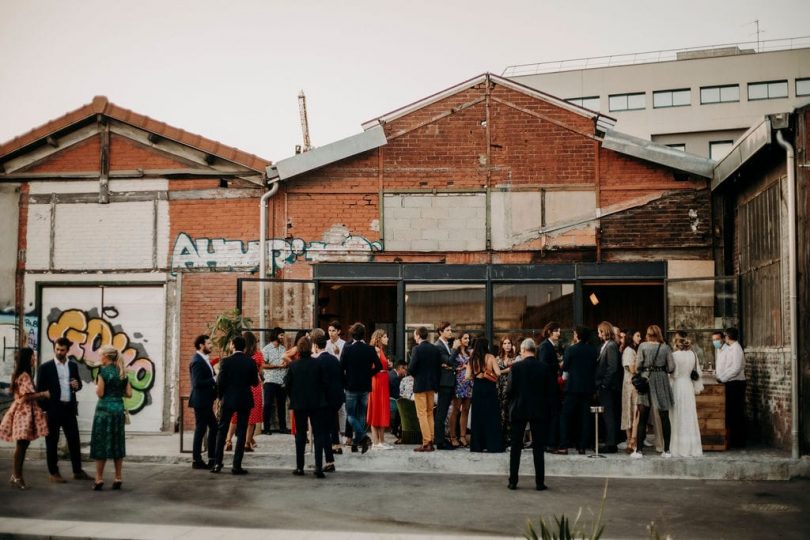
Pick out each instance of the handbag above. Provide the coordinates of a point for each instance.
(694, 375)
(641, 383)
(490, 375)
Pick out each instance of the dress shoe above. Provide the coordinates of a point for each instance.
(445, 446)
(581, 452)
(561, 451)
(541, 487)
(329, 468)
(512, 485)
(216, 469)
(422, 448)
(284, 431)
(199, 465)
(354, 448)
(319, 474)
(430, 448)
(81, 475)
(239, 472)
(608, 449)
(365, 444)
(298, 472)
(56, 479)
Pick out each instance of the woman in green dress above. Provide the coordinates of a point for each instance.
(107, 439)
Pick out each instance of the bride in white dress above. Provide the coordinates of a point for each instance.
(685, 441)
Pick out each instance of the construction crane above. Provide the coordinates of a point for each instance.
(302, 111)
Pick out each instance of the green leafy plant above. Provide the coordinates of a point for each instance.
(563, 529)
(227, 326)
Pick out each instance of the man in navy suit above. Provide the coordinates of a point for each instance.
(237, 373)
(61, 378)
(359, 362)
(579, 362)
(530, 390)
(203, 395)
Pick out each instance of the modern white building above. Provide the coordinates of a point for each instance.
(698, 100)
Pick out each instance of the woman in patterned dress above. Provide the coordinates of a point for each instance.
(461, 402)
(107, 437)
(24, 421)
(506, 356)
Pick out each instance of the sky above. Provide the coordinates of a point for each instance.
(232, 70)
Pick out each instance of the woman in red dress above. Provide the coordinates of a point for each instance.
(252, 350)
(379, 406)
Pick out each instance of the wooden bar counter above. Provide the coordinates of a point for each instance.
(711, 411)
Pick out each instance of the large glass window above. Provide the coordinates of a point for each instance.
(719, 149)
(288, 303)
(672, 98)
(803, 87)
(626, 102)
(720, 94)
(521, 310)
(461, 304)
(767, 90)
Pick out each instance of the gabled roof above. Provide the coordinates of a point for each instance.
(603, 122)
(101, 105)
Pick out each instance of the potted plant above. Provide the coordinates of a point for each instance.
(227, 326)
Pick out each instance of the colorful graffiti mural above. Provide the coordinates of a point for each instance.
(221, 254)
(89, 333)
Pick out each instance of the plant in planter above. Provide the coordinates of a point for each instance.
(227, 326)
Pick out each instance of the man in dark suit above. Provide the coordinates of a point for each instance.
(237, 373)
(447, 386)
(359, 362)
(335, 396)
(529, 391)
(609, 375)
(579, 365)
(61, 378)
(203, 395)
(425, 367)
(547, 354)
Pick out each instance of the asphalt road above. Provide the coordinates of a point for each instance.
(413, 503)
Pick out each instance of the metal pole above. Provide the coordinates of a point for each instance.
(263, 255)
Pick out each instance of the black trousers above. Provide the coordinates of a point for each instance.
(319, 434)
(61, 416)
(204, 419)
(576, 409)
(538, 430)
(607, 399)
(735, 413)
(446, 396)
(666, 427)
(274, 394)
(242, 416)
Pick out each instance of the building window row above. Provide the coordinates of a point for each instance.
(682, 97)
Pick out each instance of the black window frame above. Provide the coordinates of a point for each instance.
(627, 95)
(671, 91)
(719, 88)
(796, 86)
(767, 86)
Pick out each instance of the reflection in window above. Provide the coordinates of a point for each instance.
(524, 309)
(461, 304)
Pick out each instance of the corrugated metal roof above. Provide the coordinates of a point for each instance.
(285, 169)
(757, 137)
(658, 153)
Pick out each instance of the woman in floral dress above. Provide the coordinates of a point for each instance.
(24, 420)
(107, 437)
(506, 355)
(461, 403)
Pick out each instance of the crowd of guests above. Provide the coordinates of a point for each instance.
(466, 394)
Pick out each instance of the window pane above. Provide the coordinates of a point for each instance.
(730, 93)
(757, 91)
(718, 150)
(531, 306)
(777, 90)
(591, 103)
(461, 304)
(681, 97)
(288, 304)
(635, 101)
(662, 99)
(709, 95)
(681, 147)
(803, 87)
(618, 103)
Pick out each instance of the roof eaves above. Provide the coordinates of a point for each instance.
(749, 143)
(374, 137)
(658, 153)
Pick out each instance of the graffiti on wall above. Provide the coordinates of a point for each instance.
(221, 254)
(89, 333)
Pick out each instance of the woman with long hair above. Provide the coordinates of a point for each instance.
(24, 421)
(378, 415)
(506, 356)
(685, 428)
(655, 362)
(630, 344)
(483, 370)
(107, 440)
(461, 402)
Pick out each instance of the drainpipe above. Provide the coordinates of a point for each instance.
(263, 253)
(794, 333)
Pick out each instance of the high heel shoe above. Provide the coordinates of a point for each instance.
(631, 446)
(116, 484)
(228, 446)
(464, 442)
(454, 442)
(98, 486)
(18, 483)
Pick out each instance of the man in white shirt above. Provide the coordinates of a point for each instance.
(730, 370)
(274, 370)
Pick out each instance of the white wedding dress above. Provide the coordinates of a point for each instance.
(685, 440)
